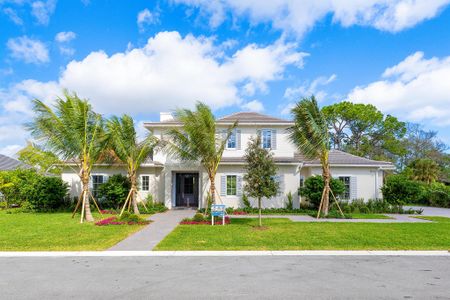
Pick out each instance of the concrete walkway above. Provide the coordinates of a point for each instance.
(432, 211)
(396, 218)
(147, 238)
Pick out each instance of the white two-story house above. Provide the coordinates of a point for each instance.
(181, 184)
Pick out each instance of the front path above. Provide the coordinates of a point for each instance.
(147, 238)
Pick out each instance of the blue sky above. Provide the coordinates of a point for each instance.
(141, 57)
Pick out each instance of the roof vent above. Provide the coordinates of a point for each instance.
(165, 117)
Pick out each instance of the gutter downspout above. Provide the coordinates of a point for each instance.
(300, 166)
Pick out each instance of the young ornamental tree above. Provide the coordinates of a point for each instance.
(260, 173)
(73, 132)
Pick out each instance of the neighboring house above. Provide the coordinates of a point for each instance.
(8, 163)
(180, 184)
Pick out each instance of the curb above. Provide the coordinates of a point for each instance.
(221, 253)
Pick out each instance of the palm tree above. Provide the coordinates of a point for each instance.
(124, 142)
(199, 141)
(310, 135)
(4, 185)
(425, 169)
(74, 133)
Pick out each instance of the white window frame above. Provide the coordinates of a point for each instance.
(349, 185)
(235, 185)
(103, 175)
(234, 134)
(142, 183)
(269, 131)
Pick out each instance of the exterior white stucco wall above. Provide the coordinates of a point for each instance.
(74, 182)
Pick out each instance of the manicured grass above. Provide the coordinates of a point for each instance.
(56, 232)
(369, 216)
(283, 234)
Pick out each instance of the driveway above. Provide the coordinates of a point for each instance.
(237, 277)
(433, 211)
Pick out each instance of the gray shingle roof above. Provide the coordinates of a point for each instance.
(241, 117)
(343, 158)
(336, 158)
(9, 163)
(251, 117)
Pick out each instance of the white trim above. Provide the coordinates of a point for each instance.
(225, 253)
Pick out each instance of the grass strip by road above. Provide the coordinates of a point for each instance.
(57, 232)
(283, 234)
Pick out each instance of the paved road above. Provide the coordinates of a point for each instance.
(281, 277)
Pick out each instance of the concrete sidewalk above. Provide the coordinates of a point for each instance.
(147, 238)
(396, 218)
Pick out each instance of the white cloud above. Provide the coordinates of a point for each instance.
(300, 16)
(13, 16)
(42, 10)
(306, 90)
(146, 17)
(65, 36)
(254, 105)
(29, 50)
(416, 89)
(170, 71)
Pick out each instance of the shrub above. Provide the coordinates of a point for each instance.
(198, 217)
(438, 195)
(313, 188)
(129, 217)
(399, 190)
(112, 194)
(289, 201)
(23, 182)
(245, 201)
(48, 194)
(156, 207)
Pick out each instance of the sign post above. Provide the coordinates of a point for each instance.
(218, 210)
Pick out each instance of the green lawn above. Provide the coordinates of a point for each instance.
(57, 232)
(283, 234)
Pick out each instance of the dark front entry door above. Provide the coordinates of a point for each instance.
(187, 189)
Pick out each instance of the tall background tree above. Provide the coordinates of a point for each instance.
(43, 161)
(260, 173)
(129, 150)
(74, 132)
(198, 140)
(361, 129)
(310, 135)
(423, 169)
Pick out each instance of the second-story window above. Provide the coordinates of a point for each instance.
(231, 143)
(266, 138)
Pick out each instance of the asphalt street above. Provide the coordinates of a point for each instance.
(250, 277)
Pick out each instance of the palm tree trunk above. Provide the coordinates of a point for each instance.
(133, 194)
(326, 187)
(259, 212)
(212, 189)
(86, 207)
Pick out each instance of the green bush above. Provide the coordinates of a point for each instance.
(245, 201)
(48, 194)
(152, 208)
(198, 217)
(112, 194)
(23, 183)
(399, 190)
(129, 217)
(289, 201)
(313, 188)
(438, 195)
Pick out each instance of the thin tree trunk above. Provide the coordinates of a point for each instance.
(87, 208)
(326, 187)
(135, 206)
(212, 189)
(259, 212)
